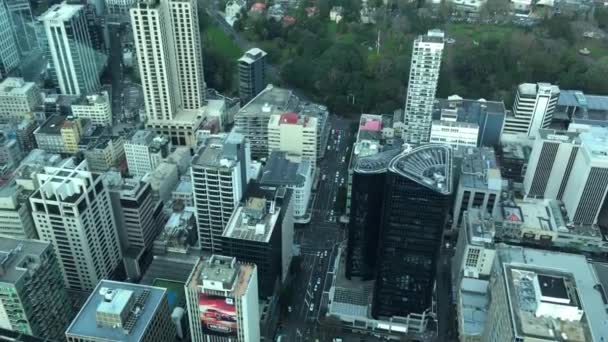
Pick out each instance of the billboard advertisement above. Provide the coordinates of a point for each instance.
(218, 315)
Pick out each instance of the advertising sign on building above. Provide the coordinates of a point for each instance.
(218, 315)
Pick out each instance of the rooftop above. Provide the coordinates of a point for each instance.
(60, 12)
(479, 227)
(177, 233)
(219, 150)
(479, 169)
(117, 311)
(220, 272)
(252, 55)
(271, 100)
(553, 294)
(52, 125)
(142, 137)
(280, 170)
(595, 143)
(473, 305)
(353, 296)
(433, 36)
(584, 107)
(18, 257)
(466, 110)
(14, 86)
(292, 118)
(532, 89)
(253, 221)
(429, 165)
(559, 136)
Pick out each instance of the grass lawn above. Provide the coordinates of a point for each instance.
(476, 32)
(214, 36)
(175, 291)
(597, 47)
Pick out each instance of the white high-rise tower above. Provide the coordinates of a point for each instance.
(422, 86)
(169, 55)
(72, 211)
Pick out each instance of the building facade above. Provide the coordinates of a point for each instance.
(550, 163)
(18, 99)
(585, 193)
(221, 281)
(421, 181)
(219, 180)
(252, 74)
(73, 58)
(145, 151)
(295, 134)
(9, 54)
(422, 86)
(533, 108)
(72, 211)
(33, 297)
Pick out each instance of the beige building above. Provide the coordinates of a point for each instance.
(295, 134)
(18, 98)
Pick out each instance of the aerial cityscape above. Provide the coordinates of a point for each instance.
(303, 170)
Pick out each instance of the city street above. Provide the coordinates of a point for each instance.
(319, 239)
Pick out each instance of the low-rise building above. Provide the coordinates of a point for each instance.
(18, 99)
(291, 172)
(179, 234)
(336, 14)
(117, 311)
(15, 214)
(183, 192)
(163, 180)
(144, 151)
(233, 11)
(96, 108)
(59, 134)
(10, 153)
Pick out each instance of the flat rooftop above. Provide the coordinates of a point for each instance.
(219, 150)
(233, 275)
(589, 107)
(142, 137)
(479, 225)
(479, 169)
(52, 125)
(18, 257)
(433, 36)
(15, 86)
(252, 55)
(543, 288)
(595, 141)
(252, 222)
(272, 100)
(60, 12)
(350, 296)
(562, 137)
(532, 89)
(467, 110)
(473, 306)
(147, 298)
(280, 170)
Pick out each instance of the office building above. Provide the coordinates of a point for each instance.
(59, 134)
(163, 180)
(72, 210)
(424, 75)
(119, 7)
(24, 27)
(219, 178)
(145, 151)
(421, 181)
(260, 232)
(138, 216)
(72, 55)
(550, 163)
(545, 296)
(96, 108)
(480, 183)
(221, 285)
(252, 119)
(117, 311)
(513, 155)
(283, 170)
(102, 149)
(252, 74)
(183, 192)
(178, 234)
(15, 216)
(464, 122)
(295, 134)
(533, 108)
(168, 45)
(18, 99)
(33, 297)
(23, 130)
(585, 193)
(576, 107)
(9, 54)
(472, 309)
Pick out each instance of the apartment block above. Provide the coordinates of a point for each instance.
(144, 151)
(96, 108)
(252, 74)
(533, 108)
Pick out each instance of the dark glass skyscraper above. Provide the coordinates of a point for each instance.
(414, 209)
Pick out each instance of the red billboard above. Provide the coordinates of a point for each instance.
(218, 315)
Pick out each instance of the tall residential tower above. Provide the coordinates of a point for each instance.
(424, 75)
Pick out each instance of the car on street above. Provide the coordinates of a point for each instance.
(289, 309)
(312, 307)
(318, 281)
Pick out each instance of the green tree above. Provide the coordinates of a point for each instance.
(601, 17)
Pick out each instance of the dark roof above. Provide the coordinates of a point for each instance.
(469, 111)
(53, 125)
(281, 171)
(553, 287)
